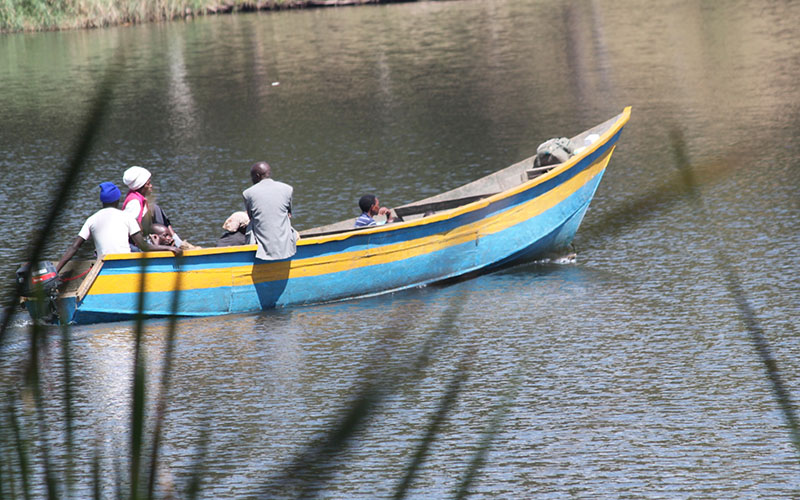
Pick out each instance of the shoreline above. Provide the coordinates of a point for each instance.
(66, 16)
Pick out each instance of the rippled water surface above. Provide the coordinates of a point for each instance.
(634, 370)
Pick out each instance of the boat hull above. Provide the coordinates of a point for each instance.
(536, 217)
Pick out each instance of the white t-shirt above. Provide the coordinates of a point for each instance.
(133, 208)
(110, 229)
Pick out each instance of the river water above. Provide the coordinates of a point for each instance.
(638, 369)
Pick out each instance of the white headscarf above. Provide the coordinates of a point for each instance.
(236, 221)
(135, 177)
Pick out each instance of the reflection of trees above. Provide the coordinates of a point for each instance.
(182, 113)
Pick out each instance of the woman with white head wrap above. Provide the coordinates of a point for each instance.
(139, 183)
(138, 180)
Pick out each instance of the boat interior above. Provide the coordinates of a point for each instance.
(73, 277)
(484, 187)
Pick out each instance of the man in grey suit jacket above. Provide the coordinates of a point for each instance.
(269, 205)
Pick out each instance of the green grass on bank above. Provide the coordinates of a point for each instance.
(42, 15)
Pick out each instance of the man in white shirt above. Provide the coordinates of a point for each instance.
(110, 228)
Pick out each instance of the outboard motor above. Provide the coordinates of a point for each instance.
(553, 151)
(40, 289)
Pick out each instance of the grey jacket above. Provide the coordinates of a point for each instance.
(269, 204)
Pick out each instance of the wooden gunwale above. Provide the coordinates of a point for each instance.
(88, 281)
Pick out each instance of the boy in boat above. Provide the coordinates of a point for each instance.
(370, 207)
(110, 229)
(160, 235)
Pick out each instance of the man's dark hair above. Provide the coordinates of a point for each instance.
(366, 202)
(259, 171)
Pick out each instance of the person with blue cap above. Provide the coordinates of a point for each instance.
(110, 229)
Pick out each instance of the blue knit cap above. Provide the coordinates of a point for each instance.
(109, 192)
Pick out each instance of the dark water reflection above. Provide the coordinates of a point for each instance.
(631, 370)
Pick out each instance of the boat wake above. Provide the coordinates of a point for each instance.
(569, 258)
(19, 321)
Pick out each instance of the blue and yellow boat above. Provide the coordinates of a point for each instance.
(521, 212)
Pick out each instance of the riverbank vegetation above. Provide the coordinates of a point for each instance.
(46, 15)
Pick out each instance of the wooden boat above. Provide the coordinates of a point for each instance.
(520, 212)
